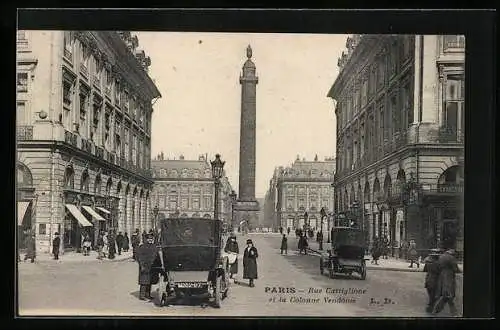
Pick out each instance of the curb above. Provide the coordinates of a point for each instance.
(85, 260)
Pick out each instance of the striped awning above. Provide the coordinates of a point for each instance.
(102, 209)
(78, 215)
(21, 211)
(93, 213)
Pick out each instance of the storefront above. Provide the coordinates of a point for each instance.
(76, 224)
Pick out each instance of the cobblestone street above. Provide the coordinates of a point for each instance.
(110, 288)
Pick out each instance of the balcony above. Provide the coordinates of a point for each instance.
(111, 158)
(71, 138)
(68, 55)
(24, 133)
(86, 146)
(83, 70)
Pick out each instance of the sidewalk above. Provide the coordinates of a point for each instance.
(391, 263)
(79, 257)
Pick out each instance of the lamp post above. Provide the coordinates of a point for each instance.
(155, 214)
(217, 170)
(232, 195)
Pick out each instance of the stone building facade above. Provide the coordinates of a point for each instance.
(304, 187)
(186, 188)
(400, 123)
(84, 106)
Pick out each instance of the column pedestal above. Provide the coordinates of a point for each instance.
(247, 212)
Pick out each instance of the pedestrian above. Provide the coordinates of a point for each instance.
(100, 245)
(376, 250)
(30, 248)
(87, 243)
(385, 247)
(302, 245)
(288, 231)
(146, 254)
(284, 244)
(320, 239)
(135, 242)
(232, 246)
(126, 242)
(431, 268)
(144, 234)
(404, 249)
(413, 254)
(105, 247)
(111, 244)
(281, 230)
(56, 243)
(250, 256)
(446, 284)
(119, 242)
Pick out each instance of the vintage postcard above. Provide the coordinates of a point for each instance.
(239, 174)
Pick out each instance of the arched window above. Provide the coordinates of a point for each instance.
(84, 184)
(108, 186)
(69, 178)
(24, 178)
(97, 185)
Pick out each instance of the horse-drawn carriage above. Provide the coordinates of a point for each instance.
(190, 262)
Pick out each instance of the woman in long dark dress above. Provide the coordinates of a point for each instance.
(232, 246)
(250, 256)
(126, 242)
(30, 248)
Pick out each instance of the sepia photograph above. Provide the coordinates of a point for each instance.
(206, 174)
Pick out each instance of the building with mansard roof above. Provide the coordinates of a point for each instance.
(184, 187)
(399, 106)
(83, 124)
(304, 187)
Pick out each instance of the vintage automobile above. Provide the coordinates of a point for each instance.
(190, 261)
(347, 253)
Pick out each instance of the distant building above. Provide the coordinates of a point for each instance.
(185, 188)
(304, 187)
(83, 126)
(400, 123)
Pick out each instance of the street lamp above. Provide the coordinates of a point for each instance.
(155, 214)
(232, 195)
(306, 221)
(217, 170)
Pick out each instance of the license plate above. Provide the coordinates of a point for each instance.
(345, 262)
(190, 285)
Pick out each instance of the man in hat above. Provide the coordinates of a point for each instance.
(446, 284)
(232, 246)
(135, 242)
(145, 255)
(431, 268)
(250, 263)
(56, 243)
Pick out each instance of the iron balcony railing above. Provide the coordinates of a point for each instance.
(24, 132)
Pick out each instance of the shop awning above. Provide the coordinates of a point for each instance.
(93, 213)
(102, 209)
(21, 211)
(78, 215)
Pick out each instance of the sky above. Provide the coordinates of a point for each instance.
(199, 111)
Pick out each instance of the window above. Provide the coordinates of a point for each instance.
(302, 204)
(42, 229)
(208, 202)
(393, 118)
(68, 45)
(84, 184)
(381, 73)
(126, 142)
(107, 125)
(126, 100)
(289, 204)
(83, 113)
(184, 203)
(381, 121)
(324, 203)
(22, 81)
(393, 59)
(97, 73)
(117, 93)
(69, 178)
(453, 41)
(118, 142)
(364, 92)
(84, 64)
(453, 116)
(96, 113)
(161, 201)
(22, 116)
(196, 203)
(97, 185)
(172, 203)
(109, 80)
(407, 111)
(372, 81)
(134, 149)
